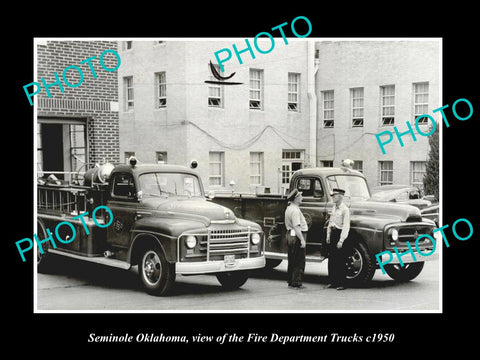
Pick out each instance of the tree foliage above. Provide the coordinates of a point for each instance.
(431, 179)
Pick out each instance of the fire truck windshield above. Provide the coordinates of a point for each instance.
(169, 184)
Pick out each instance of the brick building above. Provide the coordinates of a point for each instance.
(78, 126)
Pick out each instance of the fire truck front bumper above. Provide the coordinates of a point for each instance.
(228, 264)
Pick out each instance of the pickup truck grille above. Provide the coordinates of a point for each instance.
(410, 233)
(219, 243)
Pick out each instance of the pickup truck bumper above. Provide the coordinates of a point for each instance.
(407, 258)
(191, 268)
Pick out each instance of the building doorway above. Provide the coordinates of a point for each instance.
(61, 146)
(292, 160)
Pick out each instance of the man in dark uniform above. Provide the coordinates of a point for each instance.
(337, 231)
(296, 239)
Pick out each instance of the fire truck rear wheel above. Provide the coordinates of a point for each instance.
(156, 274)
(44, 261)
(232, 279)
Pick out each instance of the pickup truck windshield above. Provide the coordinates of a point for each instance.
(169, 184)
(355, 186)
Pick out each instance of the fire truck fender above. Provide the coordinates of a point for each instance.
(142, 240)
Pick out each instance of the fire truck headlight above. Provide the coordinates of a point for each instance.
(255, 238)
(190, 241)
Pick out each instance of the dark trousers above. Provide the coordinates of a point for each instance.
(337, 260)
(296, 260)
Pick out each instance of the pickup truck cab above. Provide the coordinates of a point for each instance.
(159, 220)
(375, 226)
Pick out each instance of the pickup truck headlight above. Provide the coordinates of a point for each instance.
(393, 234)
(191, 241)
(255, 238)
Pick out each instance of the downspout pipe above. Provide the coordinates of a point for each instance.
(312, 68)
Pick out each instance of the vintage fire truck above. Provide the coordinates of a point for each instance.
(159, 220)
(375, 226)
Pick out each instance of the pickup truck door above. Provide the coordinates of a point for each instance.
(124, 205)
(314, 209)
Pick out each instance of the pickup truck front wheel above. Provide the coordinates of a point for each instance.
(404, 273)
(156, 274)
(232, 279)
(360, 264)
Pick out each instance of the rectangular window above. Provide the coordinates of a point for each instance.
(256, 168)
(293, 92)
(256, 89)
(161, 157)
(216, 161)
(128, 91)
(387, 94)
(161, 89)
(326, 163)
(128, 155)
(357, 106)
(215, 91)
(328, 112)
(77, 146)
(420, 102)
(418, 169)
(386, 172)
(358, 165)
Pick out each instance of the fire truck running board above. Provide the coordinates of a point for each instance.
(98, 259)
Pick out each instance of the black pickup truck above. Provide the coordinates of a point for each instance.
(375, 226)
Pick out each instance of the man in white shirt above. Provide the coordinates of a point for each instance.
(337, 231)
(296, 239)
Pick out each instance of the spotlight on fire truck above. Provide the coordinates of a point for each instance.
(98, 174)
(193, 164)
(132, 160)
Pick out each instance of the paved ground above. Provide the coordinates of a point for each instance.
(84, 286)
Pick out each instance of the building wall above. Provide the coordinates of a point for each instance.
(93, 102)
(146, 129)
(237, 130)
(188, 128)
(370, 64)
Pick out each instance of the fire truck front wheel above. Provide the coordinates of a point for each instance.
(156, 274)
(232, 279)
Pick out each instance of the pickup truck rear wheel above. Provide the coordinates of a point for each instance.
(232, 279)
(360, 264)
(404, 273)
(156, 274)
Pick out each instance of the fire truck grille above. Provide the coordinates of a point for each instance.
(225, 242)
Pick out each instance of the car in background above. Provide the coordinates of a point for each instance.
(403, 194)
